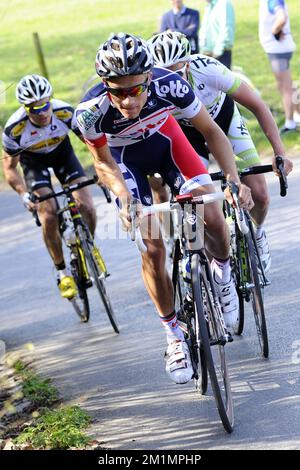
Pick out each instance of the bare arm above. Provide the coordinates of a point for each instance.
(217, 142)
(109, 173)
(280, 20)
(246, 97)
(11, 174)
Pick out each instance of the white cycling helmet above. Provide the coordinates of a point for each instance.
(123, 54)
(169, 48)
(33, 88)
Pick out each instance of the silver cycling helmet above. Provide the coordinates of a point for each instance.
(169, 48)
(123, 54)
(33, 88)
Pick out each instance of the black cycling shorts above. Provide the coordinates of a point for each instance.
(223, 120)
(62, 160)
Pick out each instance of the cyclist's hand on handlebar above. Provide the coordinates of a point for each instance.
(244, 196)
(130, 213)
(30, 206)
(287, 165)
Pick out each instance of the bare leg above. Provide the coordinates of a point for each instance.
(49, 220)
(85, 204)
(260, 196)
(285, 86)
(155, 275)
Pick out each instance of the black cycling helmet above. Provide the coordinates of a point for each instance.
(123, 54)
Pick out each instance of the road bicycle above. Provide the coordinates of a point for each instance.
(247, 267)
(86, 263)
(201, 317)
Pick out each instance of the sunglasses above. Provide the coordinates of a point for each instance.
(133, 91)
(38, 109)
(181, 71)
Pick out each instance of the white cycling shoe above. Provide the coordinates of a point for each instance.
(178, 362)
(264, 251)
(229, 302)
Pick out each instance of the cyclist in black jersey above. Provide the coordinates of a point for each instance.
(36, 136)
(128, 128)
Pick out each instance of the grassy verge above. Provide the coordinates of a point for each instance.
(57, 429)
(40, 392)
(41, 425)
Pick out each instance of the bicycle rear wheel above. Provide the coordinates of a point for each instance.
(213, 347)
(186, 314)
(257, 298)
(87, 246)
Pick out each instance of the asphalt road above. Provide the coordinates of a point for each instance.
(120, 379)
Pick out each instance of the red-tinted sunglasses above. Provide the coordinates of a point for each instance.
(133, 91)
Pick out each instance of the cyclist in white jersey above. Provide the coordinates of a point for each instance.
(217, 88)
(36, 137)
(128, 128)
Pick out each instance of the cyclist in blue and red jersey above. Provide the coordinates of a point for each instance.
(127, 125)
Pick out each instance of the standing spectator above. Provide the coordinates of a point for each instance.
(217, 31)
(182, 19)
(276, 39)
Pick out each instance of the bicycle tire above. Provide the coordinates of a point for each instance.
(257, 298)
(220, 384)
(87, 243)
(235, 262)
(80, 303)
(188, 318)
(238, 273)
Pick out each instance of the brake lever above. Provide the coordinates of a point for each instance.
(240, 215)
(282, 176)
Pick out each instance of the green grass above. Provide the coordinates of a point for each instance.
(71, 31)
(57, 429)
(37, 390)
(60, 428)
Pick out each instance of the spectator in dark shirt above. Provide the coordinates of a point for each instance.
(182, 19)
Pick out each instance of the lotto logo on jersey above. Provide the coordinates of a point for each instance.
(175, 89)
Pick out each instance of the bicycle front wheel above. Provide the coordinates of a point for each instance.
(257, 299)
(213, 347)
(239, 268)
(186, 315)
(87, 246)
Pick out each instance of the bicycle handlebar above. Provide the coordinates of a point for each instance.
(172, 205)
(256, 170)
(65, 190)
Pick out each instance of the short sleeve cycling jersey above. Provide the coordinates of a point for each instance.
(21, 135)
(100, 121)
(211, 81)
